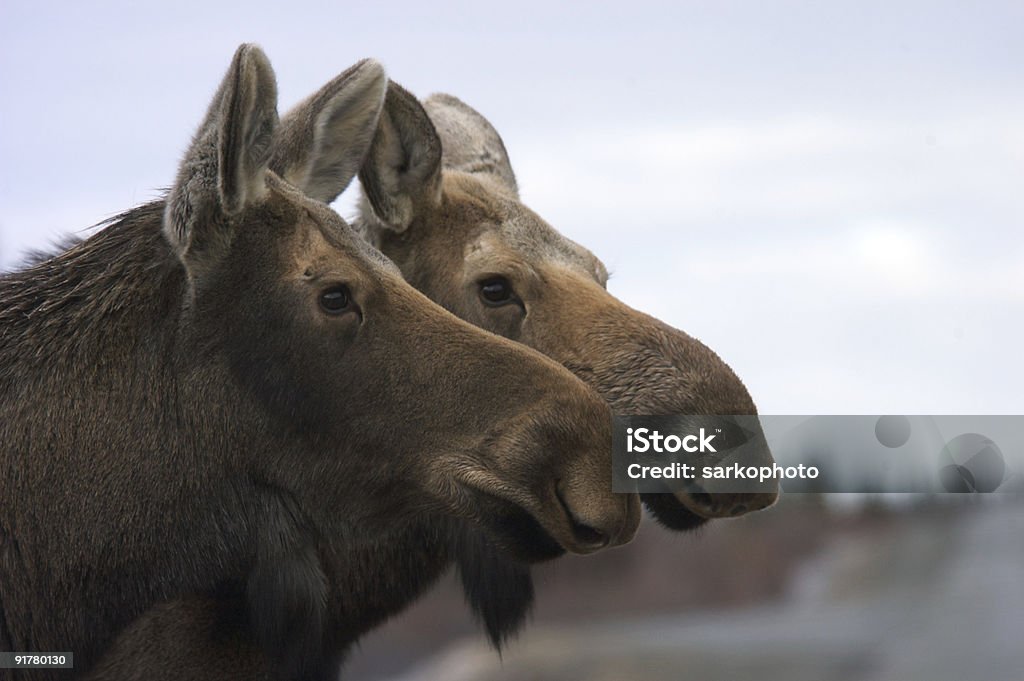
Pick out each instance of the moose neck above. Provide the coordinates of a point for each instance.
(131, 507)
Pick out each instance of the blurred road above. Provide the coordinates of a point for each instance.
(933, 601)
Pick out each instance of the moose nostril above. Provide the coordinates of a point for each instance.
(702, 499)
(699, 495)
(588, 535)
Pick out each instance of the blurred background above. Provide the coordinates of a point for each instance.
(827, 194)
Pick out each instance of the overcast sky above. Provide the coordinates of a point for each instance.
(828, 194)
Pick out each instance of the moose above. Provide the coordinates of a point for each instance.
(226, 393)
(440, 199)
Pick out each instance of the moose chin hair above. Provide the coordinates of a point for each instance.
(498, 589)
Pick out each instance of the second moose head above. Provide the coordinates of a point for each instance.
(441, 200)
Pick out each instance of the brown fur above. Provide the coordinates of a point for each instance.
(179, 415)
(448, 225)
(475, 228)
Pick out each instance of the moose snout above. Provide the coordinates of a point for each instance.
(714, 497)
(540, 483)
(571, 479)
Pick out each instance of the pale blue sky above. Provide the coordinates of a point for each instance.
(828, 194)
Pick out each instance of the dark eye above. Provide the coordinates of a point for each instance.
(496, 291)
(336, 299)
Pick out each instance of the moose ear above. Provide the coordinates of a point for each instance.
(225, 169)
(402, 172)
(322, 142)
(471, 144)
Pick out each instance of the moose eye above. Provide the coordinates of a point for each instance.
(336, 299)
(496, 291)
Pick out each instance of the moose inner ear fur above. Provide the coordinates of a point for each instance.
(402, 172)
(225, 169)
(323, 141)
